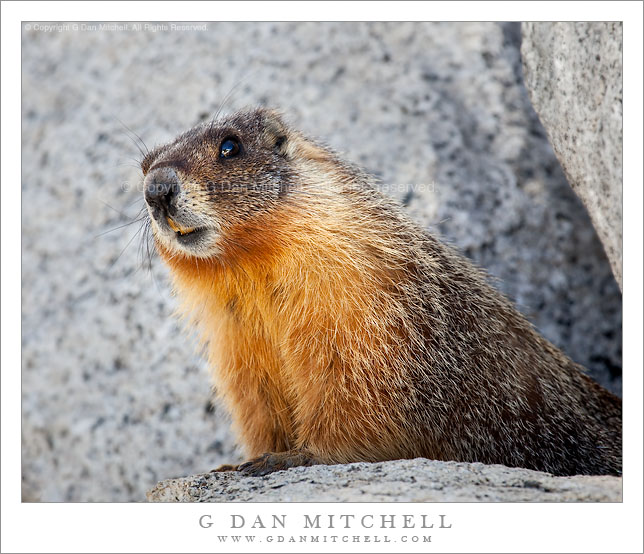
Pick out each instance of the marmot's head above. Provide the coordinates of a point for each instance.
(219, 177)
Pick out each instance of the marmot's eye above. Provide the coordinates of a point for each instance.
(229, 148)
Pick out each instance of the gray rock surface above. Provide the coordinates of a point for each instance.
(417, 480)
(115, 397)
(573, 72)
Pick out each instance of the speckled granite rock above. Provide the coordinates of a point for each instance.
(573, 72)
(417, 480)
(114, 396)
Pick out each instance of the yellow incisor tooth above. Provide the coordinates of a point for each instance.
(177, 228)
(172, 225)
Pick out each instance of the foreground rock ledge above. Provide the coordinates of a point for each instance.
(418, 480)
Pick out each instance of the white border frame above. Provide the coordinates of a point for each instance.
(174, 528)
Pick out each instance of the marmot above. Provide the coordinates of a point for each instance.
(340, 331)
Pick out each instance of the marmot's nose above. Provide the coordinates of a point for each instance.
(161, 186)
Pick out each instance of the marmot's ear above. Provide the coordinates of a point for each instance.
(276, 131)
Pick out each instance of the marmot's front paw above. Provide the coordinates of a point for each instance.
(277, 461)
(226, 467)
